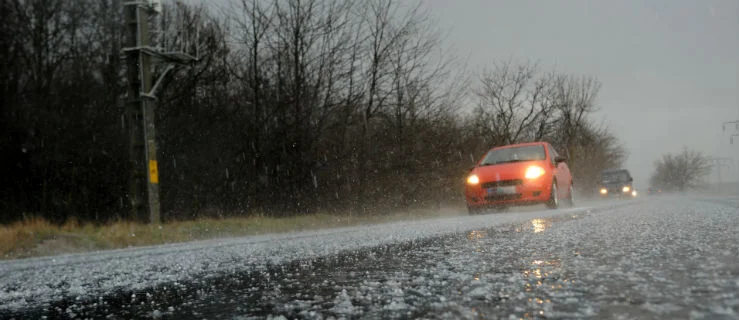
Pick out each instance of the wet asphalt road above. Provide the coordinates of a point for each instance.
(663, 258)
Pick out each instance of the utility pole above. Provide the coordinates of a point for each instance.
(143, 190)
(140, 105)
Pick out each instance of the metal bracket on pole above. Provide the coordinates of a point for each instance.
(161, 79)
(170, 56)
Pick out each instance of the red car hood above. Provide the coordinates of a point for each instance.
(506, 171)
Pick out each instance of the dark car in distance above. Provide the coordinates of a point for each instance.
(652, 191)
(617, 183)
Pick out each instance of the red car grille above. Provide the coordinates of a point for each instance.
(502, 183)
(504, 197)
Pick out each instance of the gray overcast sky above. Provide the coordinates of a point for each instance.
(670, 68)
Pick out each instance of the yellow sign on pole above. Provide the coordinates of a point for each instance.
(153, 172)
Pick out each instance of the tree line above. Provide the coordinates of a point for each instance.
(294, 107)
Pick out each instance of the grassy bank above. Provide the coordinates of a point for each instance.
(37, 237)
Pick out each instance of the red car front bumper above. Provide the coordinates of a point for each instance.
(527, 192)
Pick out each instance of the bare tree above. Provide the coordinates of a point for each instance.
(252, 22)
(386, 29)
(15, 165)
(193, 102)
(426, 87)
(681, 171)
(575, 100)
(513, 103)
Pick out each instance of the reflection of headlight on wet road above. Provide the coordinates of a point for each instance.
(476, 234)
(539, 225)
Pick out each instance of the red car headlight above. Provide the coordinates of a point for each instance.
(473, 180)
(534, 172)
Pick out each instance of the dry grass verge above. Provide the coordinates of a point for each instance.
(38, 237)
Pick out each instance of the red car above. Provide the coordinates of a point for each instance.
(520, 174)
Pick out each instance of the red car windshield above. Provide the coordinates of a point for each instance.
(514, 154)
